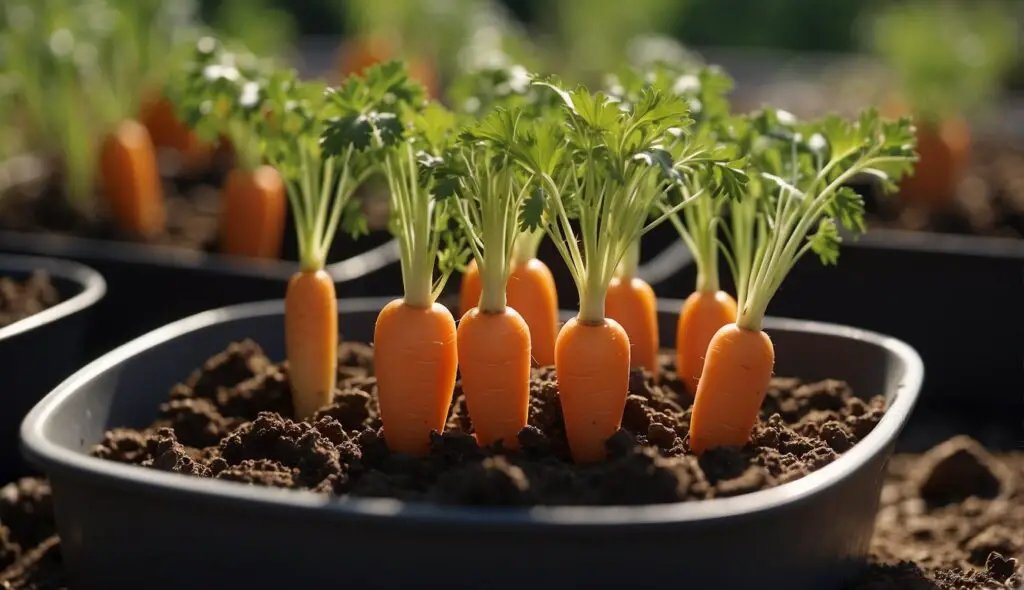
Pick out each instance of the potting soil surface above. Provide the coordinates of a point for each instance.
(229, 421)
(20, 299)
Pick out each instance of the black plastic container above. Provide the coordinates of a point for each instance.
(36, 353)
(123, 526)
(150, 286)
(958, 300)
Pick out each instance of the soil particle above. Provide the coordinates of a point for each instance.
(20, 299)
(958, 469)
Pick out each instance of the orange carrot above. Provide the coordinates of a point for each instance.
(631, 302)
(592, 368)
(945, 152)
(167, 131)
(311, 340)
(362, 52)
(415, 360)
(530, 290)
(771, 229)
(130, 181)
(253, 208)
(736, 374)
(702, 315)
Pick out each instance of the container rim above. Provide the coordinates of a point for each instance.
(92, 283)
(38, 449)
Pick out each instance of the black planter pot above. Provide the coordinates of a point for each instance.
(149, 286)
(956, 299)
(128, 527)
(36, 353)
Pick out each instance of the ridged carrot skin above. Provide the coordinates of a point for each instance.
(737, 371)
(592, 368)
(253, 212)
(131, 181)
(415, 361)
(311, 340)
(494, 360)
(530, 291)
(701, 316)
(632, 303)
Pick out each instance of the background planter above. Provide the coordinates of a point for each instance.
(112, 535)
(37, 352)
(956, 299)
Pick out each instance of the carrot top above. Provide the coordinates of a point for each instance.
(798, 177)
(705, 89)
(383, 117)
(217, 92)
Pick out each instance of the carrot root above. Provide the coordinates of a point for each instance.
(131, 181)
(702, 315)
(592, 368)
(253, 211)
(737, 371)
(416, 361)
(494, 360)
(311, 340)
(632, 304)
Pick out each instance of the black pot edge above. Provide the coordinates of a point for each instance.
(58, 246)
(93, 289)
(39, 450)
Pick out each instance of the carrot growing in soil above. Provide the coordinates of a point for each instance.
(220, 95)
(708, 308)
(321, 178)
(631, 302)
(801, 188)
(592, 161)
(531, 287)
(493, 338)
(414, 337)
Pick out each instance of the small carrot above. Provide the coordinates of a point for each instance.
(311, 339)
(415, 338)
(631, 302)
(167, 130)
(610, 195)
(223, 104)
(253, 207)
(775, 221)
(493, 338)
(130, 180)
(530, 290)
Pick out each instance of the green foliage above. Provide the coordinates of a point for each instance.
(949, 56)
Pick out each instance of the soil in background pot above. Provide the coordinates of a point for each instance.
(21, 299)
(949, 519)
(988, 202)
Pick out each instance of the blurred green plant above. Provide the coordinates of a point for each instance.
(260, 26)
(75, 68)
(949, 57)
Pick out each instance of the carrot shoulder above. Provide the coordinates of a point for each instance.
(131, 181)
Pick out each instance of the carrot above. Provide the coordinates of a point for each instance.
(415, 361)
(494, 339)
(703, 313)
(415, 337)
(311, 339)
(530, 290)
(944, 150)
(253, 206)
(158, 115)
(610, 195)
(771, 231)
(131, 183)
(631, 302)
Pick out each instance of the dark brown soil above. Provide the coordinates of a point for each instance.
(192, 204)
(951, 518)
(21, 299)
(230, 420)
(989, 201)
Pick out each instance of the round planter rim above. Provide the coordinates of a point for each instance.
(92, 283)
